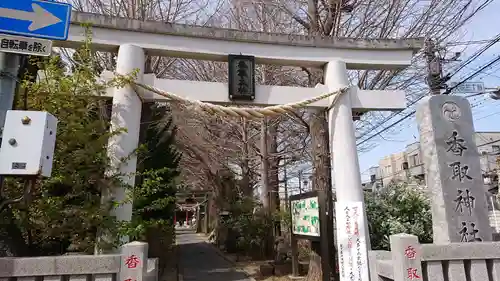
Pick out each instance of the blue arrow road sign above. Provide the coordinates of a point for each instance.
(39, 19)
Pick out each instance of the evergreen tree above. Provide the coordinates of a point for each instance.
(154, 196)
(63, 212)
(155, 190)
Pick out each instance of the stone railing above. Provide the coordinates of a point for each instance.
(128, 265)
(409, 260)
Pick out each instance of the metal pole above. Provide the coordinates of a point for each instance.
(300, 182)
(9, 68)
(294, 245)
(286, 187)
(498, 178)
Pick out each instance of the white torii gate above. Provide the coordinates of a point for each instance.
(134, 39)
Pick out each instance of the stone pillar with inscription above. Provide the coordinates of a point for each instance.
(406, 255)
(452, 169)
(134, 258)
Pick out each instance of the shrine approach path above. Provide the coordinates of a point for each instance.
(200, 261)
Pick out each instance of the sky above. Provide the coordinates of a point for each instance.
(486, 112)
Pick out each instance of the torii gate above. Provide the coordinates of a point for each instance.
(134, 39)
(199, 198)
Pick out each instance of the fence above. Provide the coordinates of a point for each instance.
(126, 266)
(409, 260)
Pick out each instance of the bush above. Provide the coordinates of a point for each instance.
(248, 228)
(398, 208)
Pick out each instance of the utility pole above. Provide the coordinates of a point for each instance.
(498, 182)
(495, 95)
(434, 68)
(9, 68)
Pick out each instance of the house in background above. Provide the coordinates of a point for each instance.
(408, 166)
(375, 180)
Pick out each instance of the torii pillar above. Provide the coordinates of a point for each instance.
(342, 137)
(125, 115)
(344, 155)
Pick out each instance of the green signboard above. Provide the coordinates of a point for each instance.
(305, 216)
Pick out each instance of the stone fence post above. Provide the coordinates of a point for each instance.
(406, 257)
(134, 262)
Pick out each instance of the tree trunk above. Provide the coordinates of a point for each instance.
(219, 204)
(274, 172)
(321, 181)
(320, 151)
(315, 271)
(245, 186)
(265, 192)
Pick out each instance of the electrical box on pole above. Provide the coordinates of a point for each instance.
(241, 77)
(28, 143)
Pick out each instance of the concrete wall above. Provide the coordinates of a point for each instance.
(430, 262)
(83, 267)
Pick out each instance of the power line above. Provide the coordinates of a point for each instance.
(414, 111)
(388, 127)
(481, 7)
(471, 42)
(391, 116)
(475, 55)
(473, 74)
(493, 41)
(489, 115)
(490, 142)
(413, 102)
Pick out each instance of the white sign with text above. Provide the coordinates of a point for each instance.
(468, 87)
(25, 45)
(351, 241)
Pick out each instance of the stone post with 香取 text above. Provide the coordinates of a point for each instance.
(452, 169)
